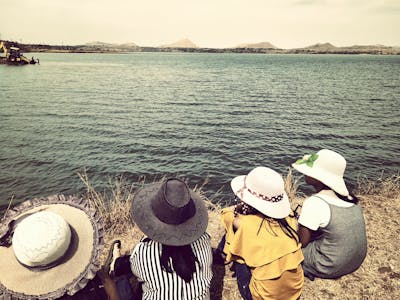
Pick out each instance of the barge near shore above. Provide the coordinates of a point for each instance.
(14, 56)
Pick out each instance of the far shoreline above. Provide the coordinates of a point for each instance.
(211, 51)
(123, 49)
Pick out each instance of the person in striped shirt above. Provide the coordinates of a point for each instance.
(174, 258)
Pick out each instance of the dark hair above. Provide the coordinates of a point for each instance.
(245, 209)
(284, 225)
(287, 229)
(182, 258)
(350, 198)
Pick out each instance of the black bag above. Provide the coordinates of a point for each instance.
(94, 290)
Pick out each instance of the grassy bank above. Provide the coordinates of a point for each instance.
(378, 277)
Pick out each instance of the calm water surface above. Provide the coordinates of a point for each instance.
(191, 115)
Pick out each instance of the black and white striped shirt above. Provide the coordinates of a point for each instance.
(159, 284)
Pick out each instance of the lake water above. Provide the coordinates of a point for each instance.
(197, 116)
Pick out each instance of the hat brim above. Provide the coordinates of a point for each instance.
(80, 265)
(277, 210)
(173, 235)
(335, 182)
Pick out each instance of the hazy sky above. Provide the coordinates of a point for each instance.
(207, 23)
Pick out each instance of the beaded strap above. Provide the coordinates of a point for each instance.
(276, 198)
(266, 198)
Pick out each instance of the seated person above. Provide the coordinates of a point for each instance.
(333, 216)
(173, 260)
(261, 238)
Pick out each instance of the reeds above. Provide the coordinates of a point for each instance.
(382, 187)
(115, 208)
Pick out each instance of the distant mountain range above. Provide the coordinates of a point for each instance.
(186, 45)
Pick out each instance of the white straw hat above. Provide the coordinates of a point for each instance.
(263, 189)
(326, 166)
(49, 247)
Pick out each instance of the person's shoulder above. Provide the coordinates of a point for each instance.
(330, 197)
(315, 199)
(315, 213)
(202, 244)
(205, 236)
(143, 244)
(314, 203)
(248, 221)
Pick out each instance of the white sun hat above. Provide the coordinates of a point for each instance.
(326, 166)
(49, 247)
(264, 190)
(31, 248)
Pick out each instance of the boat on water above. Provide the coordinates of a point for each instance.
(14, 56)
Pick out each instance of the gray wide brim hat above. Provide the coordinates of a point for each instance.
(180, 233)
(70, 274)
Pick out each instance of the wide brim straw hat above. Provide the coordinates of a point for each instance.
(326, 166)
(264, 190)
(72, 271)
(169, 212)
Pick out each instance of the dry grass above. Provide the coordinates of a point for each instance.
(114, 209)
(378, 277)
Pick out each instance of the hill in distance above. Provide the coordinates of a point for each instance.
(97, 43)
(329, 48)
(262, 45)
(373, 47)
(322, 47)
(109, 45)
(183, 43)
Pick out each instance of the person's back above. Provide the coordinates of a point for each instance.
(342, 246)
(160, 283)
(261, 237)
(332, 228)
(174, 260)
